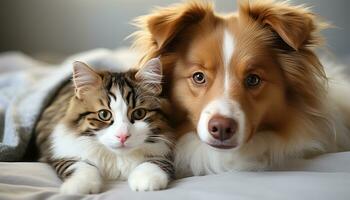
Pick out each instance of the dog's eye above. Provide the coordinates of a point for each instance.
(252, 80)
(104, 115)
(199, 78)
(138, 114)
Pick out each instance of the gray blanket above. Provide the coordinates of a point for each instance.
(27, 85)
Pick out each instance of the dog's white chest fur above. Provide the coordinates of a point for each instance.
(193, 157)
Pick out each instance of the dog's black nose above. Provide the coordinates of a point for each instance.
(222, 128)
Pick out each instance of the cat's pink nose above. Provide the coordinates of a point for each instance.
(123, 137)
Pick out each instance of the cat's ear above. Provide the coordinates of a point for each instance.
(84, 78)
(150, 75)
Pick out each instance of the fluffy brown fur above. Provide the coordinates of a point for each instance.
(286, 115)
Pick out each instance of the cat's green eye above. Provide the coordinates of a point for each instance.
(139, 114)
(104, 115)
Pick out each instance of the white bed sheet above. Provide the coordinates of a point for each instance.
(326, 177)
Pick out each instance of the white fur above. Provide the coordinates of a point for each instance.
(111, 165)
(86, 179)
(339, 96)
(148, 177)
(227, 51)
(267, 149)
(205, 159)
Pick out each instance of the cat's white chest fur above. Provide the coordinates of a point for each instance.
(111, 165)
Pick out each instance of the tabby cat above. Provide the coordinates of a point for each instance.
(108, 126)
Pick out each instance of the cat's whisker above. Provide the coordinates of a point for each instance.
(162, 139)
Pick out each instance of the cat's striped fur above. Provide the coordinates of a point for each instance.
(72, 135)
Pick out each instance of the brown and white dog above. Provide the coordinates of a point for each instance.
(247, 89)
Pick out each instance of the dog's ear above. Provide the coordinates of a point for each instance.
(163, 24)
(296, 25)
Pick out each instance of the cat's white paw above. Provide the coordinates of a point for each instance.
(80, 187)
(148, 177)
(84, 180)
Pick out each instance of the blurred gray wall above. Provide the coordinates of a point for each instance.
(64, 27)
